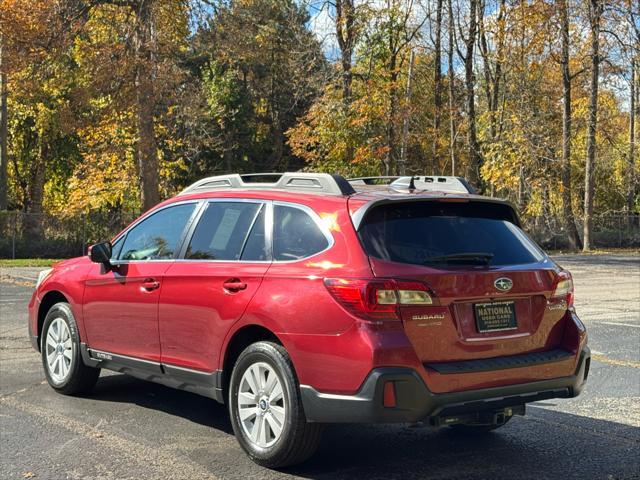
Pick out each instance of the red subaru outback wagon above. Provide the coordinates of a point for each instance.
(310, 299)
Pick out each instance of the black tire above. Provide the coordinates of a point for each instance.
(80, 378)
(479, 429)
(299, 439)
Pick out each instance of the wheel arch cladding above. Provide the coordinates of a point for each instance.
(49, 300)
(240, 340)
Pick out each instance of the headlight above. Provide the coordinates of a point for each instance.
(42, 275)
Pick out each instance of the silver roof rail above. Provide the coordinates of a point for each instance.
(383, 180)
(440, 183)
(291, 181)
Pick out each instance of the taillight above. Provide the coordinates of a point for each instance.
(564, 288)
(377, 299)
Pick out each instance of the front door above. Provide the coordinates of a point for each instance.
(209, 290)
(121, 303)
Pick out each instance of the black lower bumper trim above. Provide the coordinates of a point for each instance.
(415, 402)
(501, 363)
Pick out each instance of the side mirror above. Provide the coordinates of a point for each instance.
(100, 253)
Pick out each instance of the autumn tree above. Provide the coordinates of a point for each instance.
(595, 8)
(266, 45)
(451, 88)
(468, 35)
(437, 89)
(37, 88)
(632, 13)
(567, 78)
(393, 27)
(346, 34)
(115, 104)
(3, 130)
(143, 42)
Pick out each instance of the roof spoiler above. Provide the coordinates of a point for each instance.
(359, 215)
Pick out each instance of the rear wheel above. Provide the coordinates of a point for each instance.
(60, 349)
(266, 410)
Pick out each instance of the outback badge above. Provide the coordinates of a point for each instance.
(503, 284)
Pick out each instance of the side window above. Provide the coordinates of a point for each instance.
(255, 247)
(223, 231)
(116, 247)
(157, 236)
(295, 234)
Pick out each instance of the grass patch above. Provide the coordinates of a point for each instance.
(28, 262)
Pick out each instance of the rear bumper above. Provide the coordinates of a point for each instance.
(414, 401)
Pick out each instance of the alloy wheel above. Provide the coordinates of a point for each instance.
(59, 351)
(261, 404)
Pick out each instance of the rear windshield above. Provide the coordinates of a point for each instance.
(440, 233)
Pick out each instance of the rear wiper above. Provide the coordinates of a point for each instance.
(471, 257)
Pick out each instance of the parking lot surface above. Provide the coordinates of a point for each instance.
(131, 429)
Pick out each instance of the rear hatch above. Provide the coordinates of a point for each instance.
(491, 286)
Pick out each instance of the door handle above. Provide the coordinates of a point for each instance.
(234, 285)
(150, 284)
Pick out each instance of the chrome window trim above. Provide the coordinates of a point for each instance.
(197, 215)
(316, 219)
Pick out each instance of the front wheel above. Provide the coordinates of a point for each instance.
(266, 410)
(60, 349)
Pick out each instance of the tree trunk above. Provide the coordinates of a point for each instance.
(346, 34)
(145, 100)
(3, 132)
(595, 12)
(32, 227)
(632, 136)
(469, 78)
(567, 210)
(595, 9)
(390, 157)
(402, 164)
(437, 90)
(492, 69)
(452, 122)
(278, 145)
(495, 96)
(486, 64)
(345, 31)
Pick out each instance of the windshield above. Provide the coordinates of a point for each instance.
(440, 233)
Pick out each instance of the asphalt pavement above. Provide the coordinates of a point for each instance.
(131, 429)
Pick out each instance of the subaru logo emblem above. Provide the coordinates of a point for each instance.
(503, 284)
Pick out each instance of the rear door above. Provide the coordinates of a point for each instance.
(210, 286)
(490, 283)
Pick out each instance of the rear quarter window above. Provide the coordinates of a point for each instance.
(296, 234)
